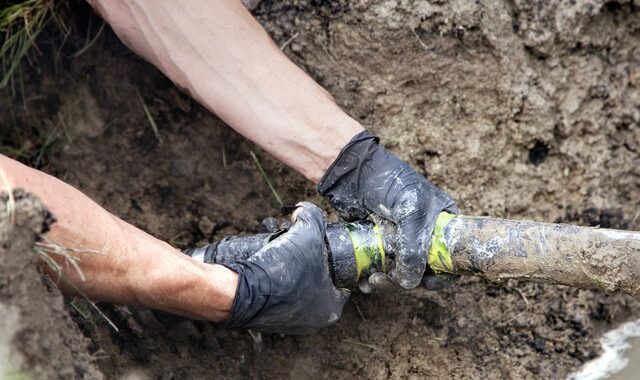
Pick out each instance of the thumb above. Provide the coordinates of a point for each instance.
(308, 216)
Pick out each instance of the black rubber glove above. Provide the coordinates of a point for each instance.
(286, 286)
(366, 179)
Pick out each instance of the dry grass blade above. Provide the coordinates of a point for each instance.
(290, 40)
(224, 156)
(90, 43)
(93, 304)
(56, 249)
(266, 179)
(419, 39)
(47, 249)
(526, 302)
(78, 310)
(152, 122)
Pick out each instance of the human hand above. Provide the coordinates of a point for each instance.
(286, 287)
(366, 179)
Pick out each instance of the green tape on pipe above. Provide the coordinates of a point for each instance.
(368, 248)
(439, 258)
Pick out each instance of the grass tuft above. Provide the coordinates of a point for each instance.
(38, 155)
(20, 24)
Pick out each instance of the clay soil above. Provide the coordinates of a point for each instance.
(519, 109)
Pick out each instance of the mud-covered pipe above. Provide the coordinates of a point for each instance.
(494, 249)
(354, 249)
(500, 249)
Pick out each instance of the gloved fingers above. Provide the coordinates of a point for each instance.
(380, 281)
(294, 214)
(269, 225)
(364, 285)
(308, 216)
(416, 219)
(377, 281)
(411, 258)
(308, 211)
(342, 295)
(448, 204)
(439, 281)
(312, 219)
(302, 245)
(452, 208)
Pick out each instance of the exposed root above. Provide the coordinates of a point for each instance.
(287, 42)
(526, 302)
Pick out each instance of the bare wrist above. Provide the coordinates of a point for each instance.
(325, 146)
(177, 284)
(223, 290)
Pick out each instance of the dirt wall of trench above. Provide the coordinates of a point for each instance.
(38, 339)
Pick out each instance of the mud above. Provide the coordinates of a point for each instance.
(518, 109)
(39, 339)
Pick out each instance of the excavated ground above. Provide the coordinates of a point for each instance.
(519, 109)
(37, 337)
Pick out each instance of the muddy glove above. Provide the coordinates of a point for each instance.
(366, 179)
(286, 286)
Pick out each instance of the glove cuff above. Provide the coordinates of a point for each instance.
(341, 182)
(252, 294)
(204, 254)
(348, 160)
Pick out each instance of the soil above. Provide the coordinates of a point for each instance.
(44, 342)
(525, 110)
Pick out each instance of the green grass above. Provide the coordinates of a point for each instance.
(20, 24)
(37, 156)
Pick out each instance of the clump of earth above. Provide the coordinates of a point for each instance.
(37, 336)
(524, 110)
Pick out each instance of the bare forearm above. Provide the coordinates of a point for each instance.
(121, 263)
(225, 59)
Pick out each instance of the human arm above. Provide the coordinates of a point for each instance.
(285, 287)
(121, 263)
(222, 56)
(218, 53)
